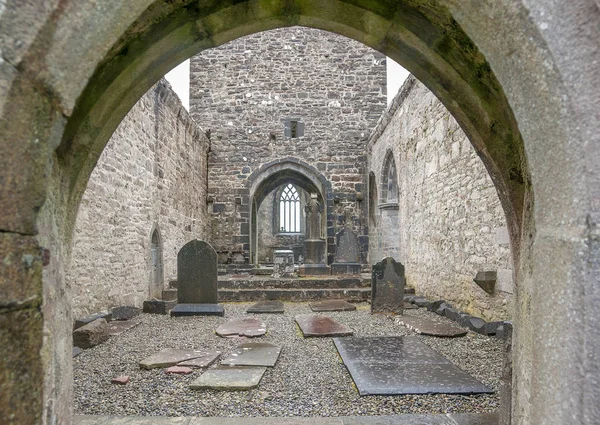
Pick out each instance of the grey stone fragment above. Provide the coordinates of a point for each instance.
(475, 418)
(435, 305)
(119, 326)
(421, 301)
(504, 331)
(486, 280)
(492, 327)
(125, 312)
(253, 354)
(452, 313)
(172, 356)
(464, 319)
(158, 306)
(229, 379)
(92, 334)
(77, 351)
(477, 324)
(387, 290)
(204, 361)
(106, 315)
(441, 310)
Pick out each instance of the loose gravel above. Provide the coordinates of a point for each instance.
(308, 380)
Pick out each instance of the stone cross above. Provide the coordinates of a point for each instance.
(387, 287)
(197, 274)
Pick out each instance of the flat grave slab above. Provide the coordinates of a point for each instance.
(229, 379)
(273, 307)
(314, 325)
(409, 306)
(253, 354)
(332, 305)
(402, 365)
(249, 327)
(197, 310)
(173, 356)
(206, 360)
(425, 326)
(120, 326)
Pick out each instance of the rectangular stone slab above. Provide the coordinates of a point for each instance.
(332, 305)
(314, 325)
(402, 365)
(425, 326)
(246, 326)
(274, 307)
(229, 379)
(197, 310)
(253, 354)
(172, 356)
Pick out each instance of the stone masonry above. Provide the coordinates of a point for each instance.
(243, 93)
(448, 223)
(152, 175)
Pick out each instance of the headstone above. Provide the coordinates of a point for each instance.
(347, 253)
(125, 312)
(425, 326)
(92, 334)
(172, 356)
(266, 307)
(253, 354)
(387, 287)
(313, 325)
(248, 327)
(332, 305)
(197, 281)
(229, 379)
(283, 263)
(402, 365)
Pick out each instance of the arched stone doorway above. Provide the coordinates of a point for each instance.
(516, 75)
(157, 275)
(272, 176)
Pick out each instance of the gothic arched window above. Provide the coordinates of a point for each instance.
(389, 180)
(289, 210)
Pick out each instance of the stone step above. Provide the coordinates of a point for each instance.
(303, 283)
(296, 294)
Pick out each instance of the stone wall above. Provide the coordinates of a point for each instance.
(151, 175)
(244, 91)
(447, 223)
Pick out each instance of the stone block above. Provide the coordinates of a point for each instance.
(125, 313)
(492, 327)
(421, 301)
(106, 315)
(452, 313)
(158, 306)
(92, 334)
(477, 325)
(345, 268)
(434, 305)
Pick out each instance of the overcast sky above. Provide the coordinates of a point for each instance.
(179, 77)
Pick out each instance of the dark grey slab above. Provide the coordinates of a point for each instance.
(390, 366)
(332, 305)
(317, 325)
(229, 379)
(426, 326)
(197, 310)
(173, 356)
(253, 354)
(475, 418)
(266, 307)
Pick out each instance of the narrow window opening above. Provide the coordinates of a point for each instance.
(289, 210)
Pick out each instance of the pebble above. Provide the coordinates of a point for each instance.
(308, 380)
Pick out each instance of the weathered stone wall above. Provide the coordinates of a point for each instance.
(243, 91)
(448, 223)
(151, 175)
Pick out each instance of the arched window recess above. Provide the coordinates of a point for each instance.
(289, 210)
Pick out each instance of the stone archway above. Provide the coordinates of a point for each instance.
(518, 76)
(290, 170)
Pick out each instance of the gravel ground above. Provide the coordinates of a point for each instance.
(308, 380)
